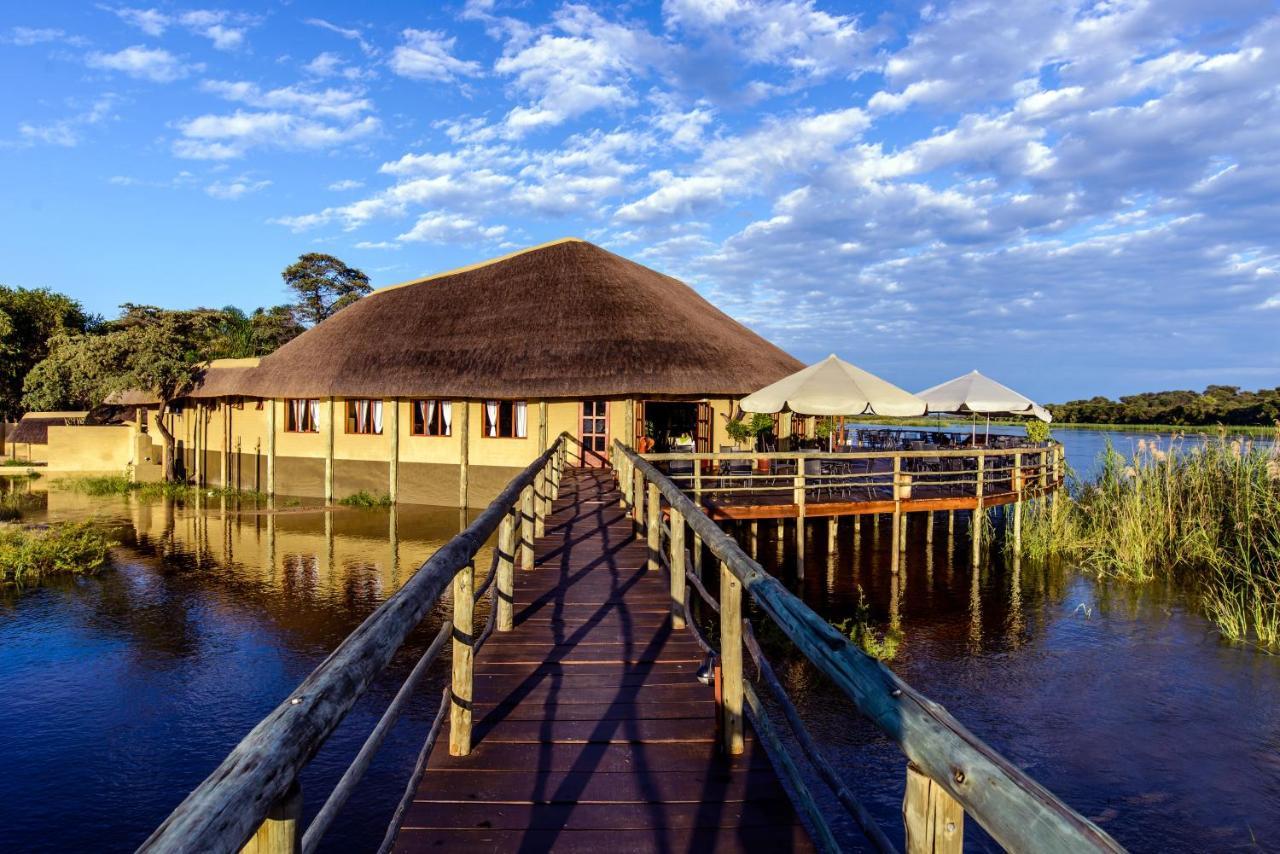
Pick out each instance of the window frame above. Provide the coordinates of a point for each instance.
(498, 434)
(350, 422)
(439, 418)
(290, 427)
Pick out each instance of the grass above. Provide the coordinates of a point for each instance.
(860, 630)
(29, 555)
(365, 499)
(19, 463)
(119, 484)
(1207, 513)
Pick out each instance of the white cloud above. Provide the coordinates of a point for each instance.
(226, 30)
(350, 33)
(442, 227)
(428, 55)
(346, 184)
(329, 64)
(27, 36)
(224, 137)
(235, 188)
(68, 132)
(341, 104)
(142, 63)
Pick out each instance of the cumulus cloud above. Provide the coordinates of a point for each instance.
(428, 55)
(442, 227)
(142, 63)
(226, 30)
(235, 188)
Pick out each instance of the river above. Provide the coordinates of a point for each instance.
(123, 691)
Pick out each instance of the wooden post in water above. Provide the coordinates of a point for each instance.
(328, 454)
(934, 820)
(393, 468)
(977, 515)
(653, 527)
(279, 832)
(506, 572)
(831, 535)
(798, 496)
(1017, 504)
(897, 518)
(928, 531)
(526, 527)
(731, 659)
(463, 660)
(755, 538)
(464, 453)
(677, 569)
(271, 451)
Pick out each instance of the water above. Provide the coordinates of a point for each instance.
(122, 692)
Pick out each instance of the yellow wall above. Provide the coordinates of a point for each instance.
(90, 449)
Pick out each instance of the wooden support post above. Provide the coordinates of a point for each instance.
(464, 453)
(677, 569)
(653, 526)
(271, 449)
(1017, 505)
(540, 503)
(951, 524)
(731, 659)
(978, 515)
(197, 462)
(526, 527)
(934, 820)
(896, 530)
(798, 497)
(902, 542)
(279, 832)
(831, 535)
(506, 572)
(857, 527)
(755, 538)
(393, 467)
(328, 454)
(697, 554)
(928, 531)
(463, 654)
(544, 438)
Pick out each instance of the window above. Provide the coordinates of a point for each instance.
(364, 416)
(302, 416)
(506, 419)
(433, 418)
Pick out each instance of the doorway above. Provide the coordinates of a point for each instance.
(673, 423)
(593, 431)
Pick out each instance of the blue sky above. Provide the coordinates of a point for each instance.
(1074, 197)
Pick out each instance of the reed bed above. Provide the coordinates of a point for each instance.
(29, 555)
(120, 484)
(1207, 512)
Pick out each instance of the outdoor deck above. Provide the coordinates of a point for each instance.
(591, 731)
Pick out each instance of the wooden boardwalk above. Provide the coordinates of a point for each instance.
(591, 731)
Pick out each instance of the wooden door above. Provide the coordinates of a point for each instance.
(702, 439)
(593, 431)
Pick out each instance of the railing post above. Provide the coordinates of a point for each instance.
(637, 497)
(463, 636)
(506, 572)
(279, 831)
(731, 659)
(539, 502)
(934, 820)
(896, 535)
(978, 513)
(677, 569)
(526, 527)
(653, 526)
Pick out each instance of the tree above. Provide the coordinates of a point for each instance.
(239, 335)
(324, 286)
(28, 319)
(150, 350)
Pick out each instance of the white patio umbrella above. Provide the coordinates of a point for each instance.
(834, 387)
(977, 394)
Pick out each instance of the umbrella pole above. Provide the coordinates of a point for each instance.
(987, 440)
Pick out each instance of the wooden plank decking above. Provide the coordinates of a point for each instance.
(591, 731)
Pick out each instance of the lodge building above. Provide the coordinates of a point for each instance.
(474, 370)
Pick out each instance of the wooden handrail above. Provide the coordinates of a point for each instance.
(1018, 812)
(224, 811)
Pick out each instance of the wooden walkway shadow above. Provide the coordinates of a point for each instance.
(592, 732)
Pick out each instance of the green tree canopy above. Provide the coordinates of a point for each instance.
(239, 335)
(28, 319)
(324, 285)
(1218, 404)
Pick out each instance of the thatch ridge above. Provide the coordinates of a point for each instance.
(564, 320)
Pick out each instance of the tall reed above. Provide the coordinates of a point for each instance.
(1207, 511)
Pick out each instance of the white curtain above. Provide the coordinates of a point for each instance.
(299, 411)
(362, 416)
(377, 417)
(491, 413)
(428, 416)
(446, 414)
(522, 419)
(314, 407)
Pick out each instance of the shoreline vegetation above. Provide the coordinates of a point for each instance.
(121, 485)
(965, 424)
(30, 555)
(1206, 514)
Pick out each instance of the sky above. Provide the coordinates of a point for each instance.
(1076, 198)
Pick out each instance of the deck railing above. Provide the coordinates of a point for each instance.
(253, 800)
(950, 771)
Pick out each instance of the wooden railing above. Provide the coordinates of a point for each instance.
(253, 800)
(950, 771)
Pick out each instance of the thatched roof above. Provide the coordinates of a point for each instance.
(563, 320)
(221, 378)
(34, 427)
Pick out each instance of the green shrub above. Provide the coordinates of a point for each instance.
(859, 629)
(366, 499)
(1037, 430)
(28, 555)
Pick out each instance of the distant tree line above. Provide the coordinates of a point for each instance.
(1217, 404)
(54, 355)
